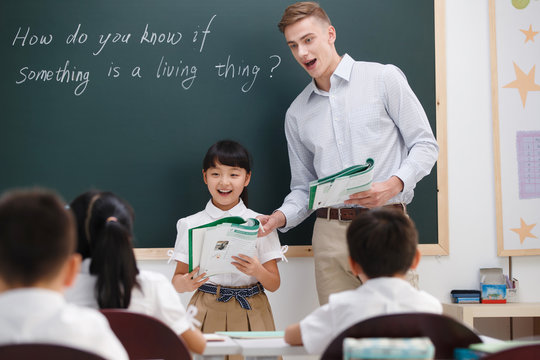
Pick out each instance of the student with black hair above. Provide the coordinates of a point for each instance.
(382, 248)
(37, 261)
(109, 275)
(227, 172)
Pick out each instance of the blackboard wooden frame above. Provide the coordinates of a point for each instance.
(442, 247)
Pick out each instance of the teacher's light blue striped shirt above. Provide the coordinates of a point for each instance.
(370, 111)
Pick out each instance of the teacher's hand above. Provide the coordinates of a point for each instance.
(378, 195)
(271, 222)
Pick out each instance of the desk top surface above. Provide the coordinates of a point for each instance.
(252, 347)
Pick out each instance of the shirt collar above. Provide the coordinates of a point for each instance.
(216, 213)
(85, 266)
(343, 71)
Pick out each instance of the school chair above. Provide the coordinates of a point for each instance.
(525, 352)
(30, 351)
(445, 333)
(145, 337)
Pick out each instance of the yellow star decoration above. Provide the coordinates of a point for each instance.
(530, 34)
(524, 83)
(524, 231)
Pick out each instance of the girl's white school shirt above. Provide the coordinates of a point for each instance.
(37, 315)
(155, 297)
(268, 247)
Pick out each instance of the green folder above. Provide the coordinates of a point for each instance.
(240, 227)
(359, 179)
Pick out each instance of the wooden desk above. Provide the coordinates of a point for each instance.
(468, 312)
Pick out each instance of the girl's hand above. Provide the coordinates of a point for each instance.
(189, 281)
(248, 265)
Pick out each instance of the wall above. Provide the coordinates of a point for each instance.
(471, 185)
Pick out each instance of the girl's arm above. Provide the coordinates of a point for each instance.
(194, 340)
(267, 274)
(185, 281)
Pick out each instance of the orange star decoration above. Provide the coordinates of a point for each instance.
(524, 83)
(524, 231)
(530, 34)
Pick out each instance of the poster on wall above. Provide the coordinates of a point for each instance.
(515, 55)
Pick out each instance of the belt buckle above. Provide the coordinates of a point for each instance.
(340, 217)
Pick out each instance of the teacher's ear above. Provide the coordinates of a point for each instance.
(332, 35)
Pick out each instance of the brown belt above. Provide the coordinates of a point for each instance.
(348, 214)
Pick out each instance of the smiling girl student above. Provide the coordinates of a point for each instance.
(227, 172)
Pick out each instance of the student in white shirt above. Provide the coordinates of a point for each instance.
(383, 247)
(37, 260)
(229, 301)
(109, 276)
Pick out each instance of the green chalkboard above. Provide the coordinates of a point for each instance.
(127, 95)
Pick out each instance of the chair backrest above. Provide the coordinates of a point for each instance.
(44, 351)
(445, 333)
(145, 337)
(525, 352)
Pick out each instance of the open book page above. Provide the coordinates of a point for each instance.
(196, 238)
(337, 188)
(219, 243)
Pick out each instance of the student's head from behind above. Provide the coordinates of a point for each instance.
(37, 240)
(227, 172)
(382, 243)
(105, 234)
(311, 38)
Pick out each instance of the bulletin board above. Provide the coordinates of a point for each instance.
(515, 53)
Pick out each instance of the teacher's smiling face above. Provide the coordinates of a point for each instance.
(311, 41)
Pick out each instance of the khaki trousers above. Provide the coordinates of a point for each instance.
(330, 252)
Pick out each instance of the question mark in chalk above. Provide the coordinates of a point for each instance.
(278, 62)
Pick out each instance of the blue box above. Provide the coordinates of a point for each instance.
(493, 291)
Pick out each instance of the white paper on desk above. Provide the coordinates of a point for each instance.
(223, 242)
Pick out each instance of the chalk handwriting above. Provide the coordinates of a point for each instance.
(152, 38)
(77, 38)
(189, 74)
(117, 37)
(229, 70)
(32, 39)
(166, 67)
(63, 75)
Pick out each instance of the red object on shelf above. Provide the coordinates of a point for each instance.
(493, 301)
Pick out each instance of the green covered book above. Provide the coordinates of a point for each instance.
(212, 245)
(336, 188)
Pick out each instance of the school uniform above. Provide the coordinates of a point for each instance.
(35, 315)
(234, 302)
(379, 296)
(155, 297)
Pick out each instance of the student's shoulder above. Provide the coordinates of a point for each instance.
(151, 277)
(429, 302)
(152, 282)
(85, 315)
(249, 213)
(192, 220)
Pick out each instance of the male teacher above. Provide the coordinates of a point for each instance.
(349, 112)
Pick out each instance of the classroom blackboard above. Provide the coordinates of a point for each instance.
(127, 96)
